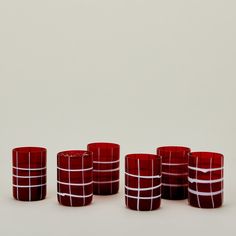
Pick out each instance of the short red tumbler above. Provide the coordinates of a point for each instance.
(143, 181)
(29, 173)
(205, 179)
(106, 162)
(174, 172)
(74, 178)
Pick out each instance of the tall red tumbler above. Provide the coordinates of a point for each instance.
(106, 162)
(29, 173)
(74, 178)
(174, 172)
(143, 181)
(205, 179)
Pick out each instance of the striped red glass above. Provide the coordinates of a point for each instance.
(74, 178)
(106, 161)
(29, 173)
(143, 181)
(174, 172)
(205, 179)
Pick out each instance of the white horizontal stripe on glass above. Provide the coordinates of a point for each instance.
(173, 164)
(143, 189)
(144, 176)
(73, 195)
(29, 169)
(28, 186)
(111, 170)
(106, 162)
(74, 184)
(175, 185)
(143, 198)
(205, 170)
(203, 181)
(71, 170)
(29, 177)
(175, 174)
(204, 193)
(106, 182)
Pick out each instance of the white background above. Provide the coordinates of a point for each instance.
(139, 73)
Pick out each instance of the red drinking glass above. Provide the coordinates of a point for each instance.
(106, 161)
(29, 173)
(74, 178)
(205, 179)
(174, 172)
(143, 181)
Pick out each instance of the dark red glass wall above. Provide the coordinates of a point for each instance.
(174, 171)
(29, 173)
(74, 178)
(205, 179)
(142, 181)
(106, 166)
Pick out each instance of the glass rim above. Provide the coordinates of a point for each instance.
(29, 149)
(143, 156)
(103, 144)
(205, 154)
(73, 153)
(172, 148)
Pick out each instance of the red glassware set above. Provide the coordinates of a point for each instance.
(172, 173)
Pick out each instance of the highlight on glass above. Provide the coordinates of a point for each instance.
(29, 173)
(142, 181)
(74, 178)
(174, 171)
(106, 167)
(205, 179)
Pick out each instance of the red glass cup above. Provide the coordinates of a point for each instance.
(29, 173)
(106, 161)
(142, 181)
(205, 179)
(74, 178)
(174, 172)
